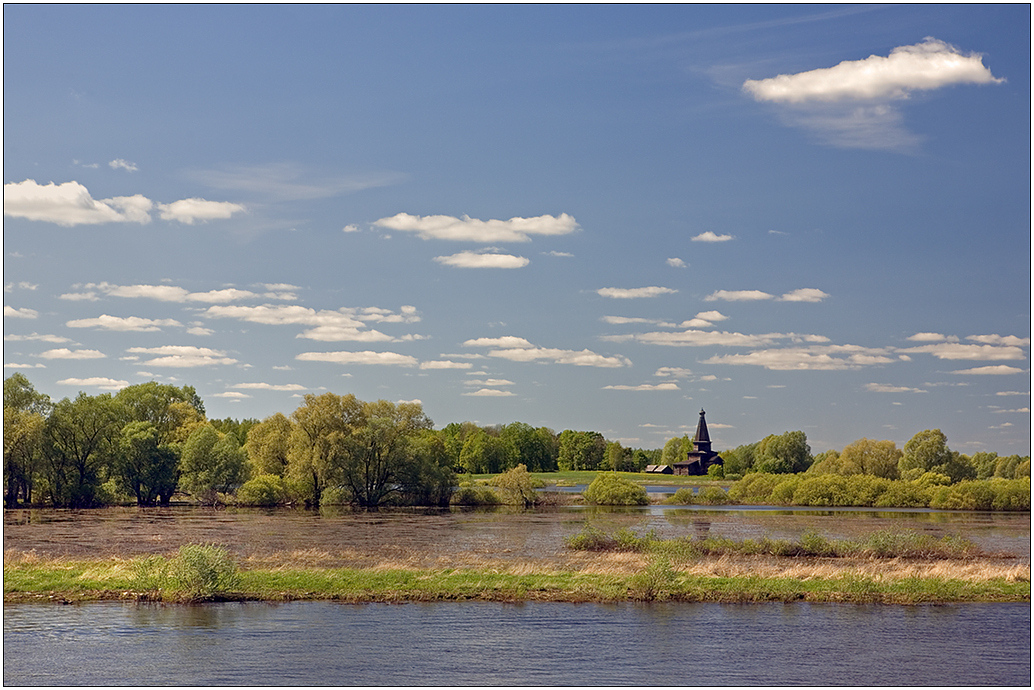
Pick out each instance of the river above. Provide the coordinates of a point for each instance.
(479, 643)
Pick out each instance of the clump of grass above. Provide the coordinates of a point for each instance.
(198, 572)
(656, 581)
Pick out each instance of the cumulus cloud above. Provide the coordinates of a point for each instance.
(65, 353)
(644, 387)
(521, 350)
(712, 316)
(488, 382)
(45, 337)
(814, 358)
(634, 293)
(342, 325)
(994, 370)
(676, 262)
(490, 393)
(183, 356)
(737, 296)
(127, 323)
(96, 382)
(950, 350)
(482, 260)
(169, 293)
(804, 295)
(995, 339)
(889, 388)
(469, 229)
(233, 395)
(190, 211)
(711, 237)
(23, 313)
(270, 386)
(70, 203)
(445, 364)
(927, 337)
(673, 372)
(12, 365)
(122, 164)
(853, 104)
(365, 357)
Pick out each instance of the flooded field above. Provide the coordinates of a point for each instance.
(425, 539)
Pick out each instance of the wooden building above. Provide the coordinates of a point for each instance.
(701, 457)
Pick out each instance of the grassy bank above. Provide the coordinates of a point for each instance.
(605, 577)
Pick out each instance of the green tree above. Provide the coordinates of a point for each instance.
(612, 490)
(268, 445)
(78, 441)
(928, 451)
(145, 468)
(581, 450)
(320, 428)
(427, 479)
(25, 413)
(378, 449)
(165, 407)
(866, 456)
(534, 448)
(211, 464)
(784, 453)
(516, 487)
(485, 454)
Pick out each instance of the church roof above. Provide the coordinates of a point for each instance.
(702, 436)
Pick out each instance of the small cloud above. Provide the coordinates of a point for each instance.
(482, 260)
(645, 387)
(676, 262)
(70, 204)
(712, 316)
(270, 386)
(997, 370)
(711, 237)
(96, 382)
(888, 388)
(927, 337)
(183, 356)
(737, 296)
(673, 373)
(127, 323)
(563, 255)
(235, 395)
(1013, 393)
(190, 211)
(445, 364)
(365, 357)
(45, 338)
(122, 164)
(23, 313)
(65, 353)
(25, 366)
(804, 295)
(490, 393)
(350, 228)
(634, 293)
(200, 330)
(467, 229)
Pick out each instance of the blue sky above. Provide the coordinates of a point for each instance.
(590, 217)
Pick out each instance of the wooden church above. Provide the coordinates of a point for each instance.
(701, 457)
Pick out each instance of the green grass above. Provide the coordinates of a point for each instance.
(85, 580)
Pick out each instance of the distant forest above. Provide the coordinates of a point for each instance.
(150, 441)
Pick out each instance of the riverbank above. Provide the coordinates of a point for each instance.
(606, 577)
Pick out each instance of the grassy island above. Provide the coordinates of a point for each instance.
(894, 569)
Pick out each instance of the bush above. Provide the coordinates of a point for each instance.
(610, 490)
(197, 572)
(265, 490)
(656, 581)
(517, 487)
(755, 487)
(683, 497)
(474, 496)
(712, 496)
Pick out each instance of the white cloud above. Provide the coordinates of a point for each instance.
(70, 204)
(1013, 393)
(737, 296)
(122, 164)
(644, 387)
(65, 353)
(712, 316)
(673, 372)
(117, 323)
(190, 211)
(932, 64)
(804, 295)
(634, 293)
(366, 357)
(676, 262)
(23, 285)
(995, 370)
(927, 337)
(488, 382)
(506, 341)
(853, 103)
(445, 364)
(1021, 410)
(235, 395)
(624, 320)
(350, 228)
(815, 358)
(25, 366)
(521, 350)
(46, 338)
(995, 339)
(183, 356)
(270, 386)
(23, 313)
(711, 237)
(490, 393)
(96, 382)
(695, 338)
(888, 388)
(199, 330)
(950, 350)
(291, 182)
(563, 255)
(482, 260)
(474, 230)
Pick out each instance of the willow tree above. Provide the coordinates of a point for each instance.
(320, 428)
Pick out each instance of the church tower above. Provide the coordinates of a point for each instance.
(701, 457)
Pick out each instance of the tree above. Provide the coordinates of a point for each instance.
(676, 450)
(320, 427)
(268, 445)
(534, 448)
(427, 479)
(166, 407)
(928, 451)
(516, 486)
(77, 445)
(211, 464)
(378, 449)
(784, 453)
(485, 454)
(865, 456)
(619, 458)
(147, 469)
(581, 450)
(25, 413)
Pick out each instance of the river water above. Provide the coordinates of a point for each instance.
(481, 643)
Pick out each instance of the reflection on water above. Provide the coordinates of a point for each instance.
(480, 643)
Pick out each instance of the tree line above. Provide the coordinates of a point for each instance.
(149, 441)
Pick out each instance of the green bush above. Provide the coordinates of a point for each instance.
(590, 539)
(656, 581)
(683, 497)
(712, 496)
(755, 487)
(264, 490)
(474, 496)
(610, 490)
(197, 572)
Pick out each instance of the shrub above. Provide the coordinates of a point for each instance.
(755, 487)
(683, 497)
(716, 472)
(264, 490)
(610, 490)
(783, 492)
(712, 496)
(474, 496)
(653, 582)
(590, 539)
(517, 487)
(201, 571)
